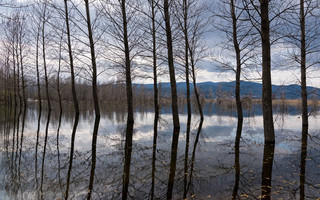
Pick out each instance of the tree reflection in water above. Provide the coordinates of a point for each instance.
(217, 169)
(268, 155)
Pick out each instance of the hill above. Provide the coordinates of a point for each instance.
(217, 89)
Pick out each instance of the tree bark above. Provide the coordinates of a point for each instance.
(238, 73)
(44, 56)
(130, 120)
(174, 99)
(74, 93)
(155, 98)
(37, 68)
(95, 100)
(304, 100)
(93, 62)
(266, 73)
(186, 38)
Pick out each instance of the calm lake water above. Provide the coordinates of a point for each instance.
(31, 166)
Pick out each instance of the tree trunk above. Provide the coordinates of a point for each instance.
(304, 100)
(74, 93)
(266, 74)
(238, 73)
(130, 120)
(304, 95)
(37, 68)
(186, 39)
(93, 62)
(14, 75)
(18, 71)
(22, 72)
(95, 100)
(155, 98)
(268, 155)
(44, 56)
(174, 99)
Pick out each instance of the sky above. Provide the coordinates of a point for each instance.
(209, 70)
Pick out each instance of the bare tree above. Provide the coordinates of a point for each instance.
(94, 95)
(174, 99)
(74, 93)
(241, 40)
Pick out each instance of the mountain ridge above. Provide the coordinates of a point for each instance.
(226, 89)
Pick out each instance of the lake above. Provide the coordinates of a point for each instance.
(35, 155)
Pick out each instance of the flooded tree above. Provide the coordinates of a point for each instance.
(174, 99)
(73, 90)
(262, 24)
(95, 98)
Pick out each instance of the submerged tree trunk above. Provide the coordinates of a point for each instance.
(266, 73)
(268, 155)
(304, 100)
(74, 96)
(303, 162)
(44, 153)
(95, 100)
(174, 99)
(93, 155)
(155, 98)
(304, 95)
(73, 135)
(130, 120)
(186, 38)
(238, 73)
(194, 154)
(237, 173)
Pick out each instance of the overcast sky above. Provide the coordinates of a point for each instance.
(208, 70)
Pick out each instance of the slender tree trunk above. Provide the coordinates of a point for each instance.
(22, 74)
(44, 154)
(194, 154)
(237, 173)
(304, 100)
(14, 75)
(238, 73)
(130, 120)
(58, 74)
(21, 144)
(74, 96)
(266, 73)
(37, 68)
(174, 99)
(73, 135)
(304, 95)
(93, 62)
(74, 93)
(36, 153)
(186, 38)
(44, 55)
(40, 107)
(18, 72)
(95, 100)
(155, 98)
(58, 149)
(194, 80)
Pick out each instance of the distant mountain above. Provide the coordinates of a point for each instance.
(211, 89)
